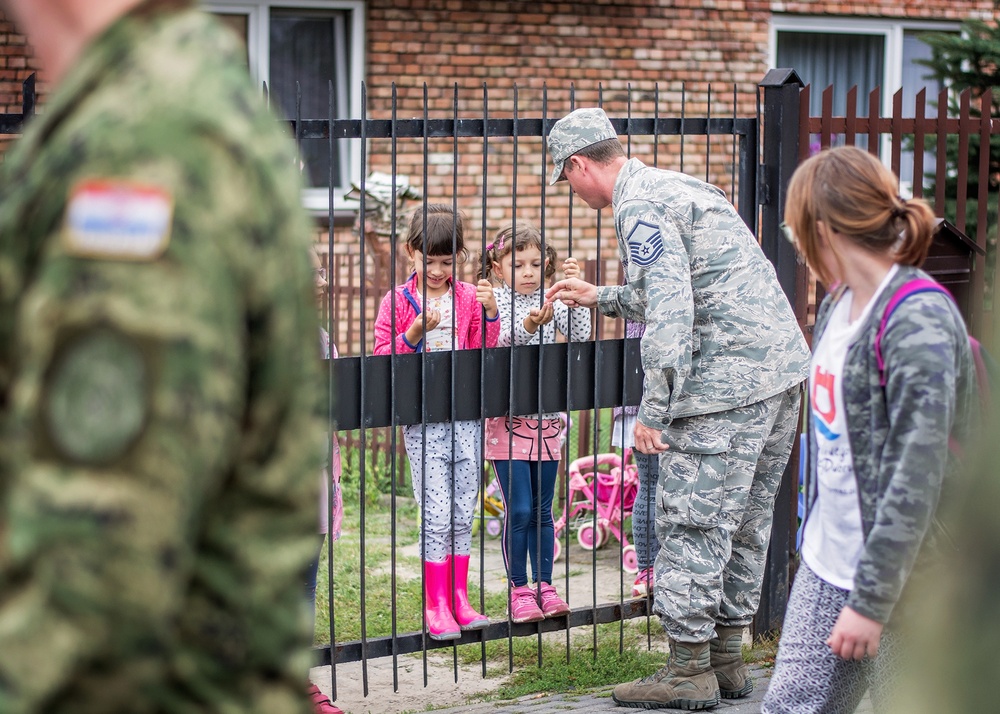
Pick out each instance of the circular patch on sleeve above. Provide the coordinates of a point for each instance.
(97, 399)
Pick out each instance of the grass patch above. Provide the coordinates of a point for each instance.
(378, 583)
(763, 650)
(585, 669)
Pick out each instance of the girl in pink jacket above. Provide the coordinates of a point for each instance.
(435, 312)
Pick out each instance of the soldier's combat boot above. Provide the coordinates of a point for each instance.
(686, 682)
(727, 661)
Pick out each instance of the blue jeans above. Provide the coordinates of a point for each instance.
(524, 509)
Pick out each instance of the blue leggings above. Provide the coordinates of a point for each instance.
(644, 509)
(521, 518)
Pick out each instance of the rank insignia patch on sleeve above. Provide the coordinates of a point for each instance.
(117, 220)
(645, 245)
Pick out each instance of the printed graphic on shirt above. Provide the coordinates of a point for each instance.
(645, 245)
(824, 403)
(440, 338)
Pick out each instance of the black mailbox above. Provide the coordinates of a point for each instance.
(950, 262)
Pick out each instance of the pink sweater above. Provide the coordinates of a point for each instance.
(404, 299)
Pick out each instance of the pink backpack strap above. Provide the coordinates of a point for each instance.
(918, 285)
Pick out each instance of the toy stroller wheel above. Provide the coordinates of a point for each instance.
(588, 537)
(604, 532)
(556, 550)
(630, 561)
(493, 527)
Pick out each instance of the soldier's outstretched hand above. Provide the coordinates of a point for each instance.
(573, 292)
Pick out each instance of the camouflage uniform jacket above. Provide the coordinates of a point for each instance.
(720, 333)
(899, 434)
(159, 432)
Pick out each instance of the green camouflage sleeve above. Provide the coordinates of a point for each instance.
(160, 445)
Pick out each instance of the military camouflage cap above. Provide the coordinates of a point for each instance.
(575, 131)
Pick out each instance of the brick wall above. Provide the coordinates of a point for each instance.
(16, 65)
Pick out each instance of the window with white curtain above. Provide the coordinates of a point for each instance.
(309, 52)
(866, 53)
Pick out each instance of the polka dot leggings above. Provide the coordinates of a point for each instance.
(432, 484)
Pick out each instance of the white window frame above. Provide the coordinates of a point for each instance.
(258, 52)
(892, 30)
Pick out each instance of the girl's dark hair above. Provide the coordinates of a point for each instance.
(525, 236)
(445, 231)
(855, 195)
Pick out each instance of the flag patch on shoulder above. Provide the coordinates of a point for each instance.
(117, 220)
(645, 245)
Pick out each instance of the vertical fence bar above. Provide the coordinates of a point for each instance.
(454, 361)
(874, 113)
(919, 123)
(851, 120)
(423, 388)
(978, 302)
(962, 158)
(482, 382)
(361, 460)
(331, 431)
(896, 127)
(708, 135)
(826, 122)
(596, 425)
(940, 148)
(393, 430)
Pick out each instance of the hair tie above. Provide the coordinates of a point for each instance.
(899, 211)
(489, 246)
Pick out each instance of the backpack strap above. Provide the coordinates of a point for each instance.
(917, 285)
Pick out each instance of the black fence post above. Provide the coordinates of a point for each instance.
(28, 96)
(780, 157)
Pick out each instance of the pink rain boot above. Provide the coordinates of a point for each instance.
(465, 615)
(437, 607)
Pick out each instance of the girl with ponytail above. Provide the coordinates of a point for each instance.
(879, 430)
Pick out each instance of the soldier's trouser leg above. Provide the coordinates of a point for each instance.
(744, 573)
(708, 490)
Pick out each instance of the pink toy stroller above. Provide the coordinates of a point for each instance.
(603, 483)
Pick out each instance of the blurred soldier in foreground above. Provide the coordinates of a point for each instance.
(954, 627)
(158, 438)
(723, 360)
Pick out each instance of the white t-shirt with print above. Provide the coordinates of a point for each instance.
(440, 338)
(833, 537)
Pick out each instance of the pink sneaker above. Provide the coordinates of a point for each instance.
(643, 584)
(552, 604)
(523, 606)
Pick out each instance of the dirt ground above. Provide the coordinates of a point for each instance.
(413, 694)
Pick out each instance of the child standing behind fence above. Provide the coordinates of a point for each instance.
(435, 312)
(525, 454)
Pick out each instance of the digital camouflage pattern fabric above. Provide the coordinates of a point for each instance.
(576, 131)
(902, 465)
(720, 334)
(716, 492)
(159, 437)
